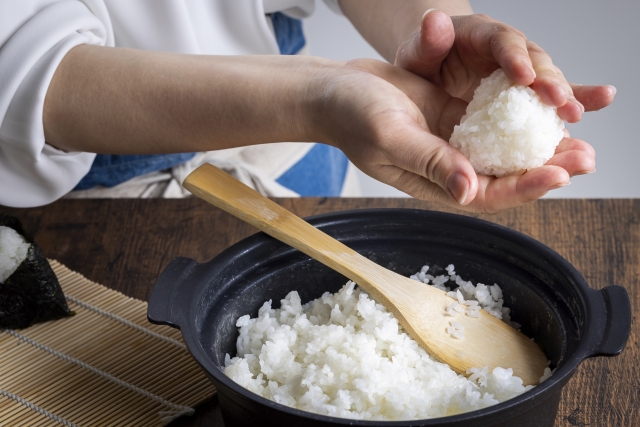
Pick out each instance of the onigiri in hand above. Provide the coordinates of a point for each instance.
(507, 130)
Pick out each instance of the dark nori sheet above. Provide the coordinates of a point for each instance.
(32, 293)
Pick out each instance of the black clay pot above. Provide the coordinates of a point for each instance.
(568, 319)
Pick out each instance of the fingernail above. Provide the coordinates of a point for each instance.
(427, 12)
(529, 66)
(555, 187)
(458, 187)
(580, 105)
(557, 83)
(576, 173)
(613, 88)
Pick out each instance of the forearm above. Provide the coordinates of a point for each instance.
(386, 24)
(123, 101)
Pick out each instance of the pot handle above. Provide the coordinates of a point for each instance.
(617, 327)
(165, 292)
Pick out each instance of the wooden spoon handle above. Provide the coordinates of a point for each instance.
(222, 190)
(420, 309)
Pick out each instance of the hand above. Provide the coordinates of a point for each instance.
(395, 126)
(456, 52)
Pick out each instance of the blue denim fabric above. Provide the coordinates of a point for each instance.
(320, 173)
(289, 33)
(109, 170)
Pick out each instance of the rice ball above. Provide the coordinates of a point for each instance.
(507, 129)
(13, 250)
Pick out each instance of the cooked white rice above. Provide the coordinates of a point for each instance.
(470, 298)
(345, 355)
(13, 250)
(507, 129)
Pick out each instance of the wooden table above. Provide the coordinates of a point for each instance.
(125, 244)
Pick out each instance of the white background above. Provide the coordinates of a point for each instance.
(593, 42)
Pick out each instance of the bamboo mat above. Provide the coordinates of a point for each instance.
(105, 366)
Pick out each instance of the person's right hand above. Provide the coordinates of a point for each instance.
(394, 126)
(456, 52)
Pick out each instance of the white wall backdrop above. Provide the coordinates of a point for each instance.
(593, 42)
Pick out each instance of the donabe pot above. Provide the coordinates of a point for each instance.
(547, 295)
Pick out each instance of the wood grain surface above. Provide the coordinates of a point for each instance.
(125, 244)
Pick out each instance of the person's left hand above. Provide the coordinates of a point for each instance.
(456, 52)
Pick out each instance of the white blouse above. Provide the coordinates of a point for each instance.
(36, 34)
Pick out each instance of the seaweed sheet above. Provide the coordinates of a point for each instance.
(32, 293)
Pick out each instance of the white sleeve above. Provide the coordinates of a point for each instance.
(34, 37)
(334, 5)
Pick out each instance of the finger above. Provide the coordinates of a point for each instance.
(485, 44)
(424, 52)
(571, 111)
(575, 162)
(494, 194)
(594, 98)
(417, 186)
(498, 194)
(497, 43)
(568, 144)
(552, 87)
(428, 156)
(509, 48)
(547, 83)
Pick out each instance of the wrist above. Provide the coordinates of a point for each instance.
(315, 90)
(387, 24)
(411, 14)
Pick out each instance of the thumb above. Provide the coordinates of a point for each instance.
(428, 156)
(425, 50)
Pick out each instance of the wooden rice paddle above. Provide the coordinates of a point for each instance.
(419, 308)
